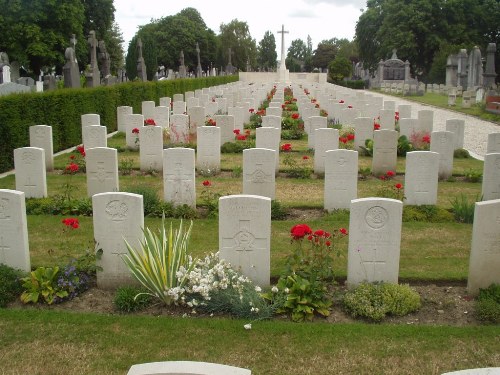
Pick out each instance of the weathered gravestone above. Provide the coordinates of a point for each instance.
(179, 129)
(484, 261)
(178, 98)
(31, 178)
(384, 151)
(404, 111)
(117, 217)
(41, 137)
(425, 121)
(421, 178)
(274, 111)
(161, 116)
(245, 235)
(179, 176)
(374, 241)
(71, 72)
(387, 120)
(363, 129)
(493, 143)
(341, 179)
(196, 118)
(102, 170)
(166, 101)
(442, 143)
(151, 150)
(94, 136)
(141, 65)
(93, 76)
(179, 108)
(259, 166)
(239, 115)
(148, 108)
(325, 139)
(491, 177)
(90, 119)
(457, 127)
(226, 125)
(268, 137)
(14, 244)
(133, 125)
(121, 112)
(409, 128)
(208, 150)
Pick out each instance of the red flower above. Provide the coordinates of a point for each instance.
(72, 157)
(328, 243)
(398, 186)
(341, 102)
(343, 140)
(300, 231)
(207, 183)
(310, 237)
(390, 173)
(376, 126)
(236, 131)
(313, 100)
(327, 235)
(349, 106)
(295, 116)
(282, 106)
(350, 137)
(305, 157)
(241, 137)
(426, 138)
(382, 178)
(343, 231)
(135, 131)
(247, 132)
(251, 110)
(149, 121)
(71, 222)
(286, 147)
(319, 233)
(72, 168)
(396, 118)
(81, 150)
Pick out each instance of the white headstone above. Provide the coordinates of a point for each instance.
(314, 123)
(421, 178)
(211, 108)
(374, 240)
(387, 120)
(226, 125)
(390, 105)
(14, 244)
(117, 217)
(442, 143)
(425, 120)
(133, 122)
(274, 111)
(151, 151)
(186, 368)
(166, 102)
(90, 119)
(491, 177)
(457, 127)
(102, 170)
(385, 155)
(41, 137)
(409, 128)
(325, 139)
(341, 179)
(196, 118)
(269, 137)
(363, 130)
(179, 108)
(484, 261)
(493, 143)
(259, 165)
(178, 98)
(94, 136)
(147, 109)
(31, 177)
(179, 176)
(192, 102)
(179, 128)
(161, 116)
(404, 111)
(222, 103)
(271, 121)
(120, 115)
(239, 115)
(208, 149)
(245, 235)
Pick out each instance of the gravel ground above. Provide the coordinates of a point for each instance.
(476, 130)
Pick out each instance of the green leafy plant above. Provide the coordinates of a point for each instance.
(237, 171)
(367, 149)
(42, 284)
(461, 153)
(463, 209)
(129, 299)
(364, 172)
(126, 166)
(426, 213)
(278, 212)
(297, 168)
(488, 304)
(375, 301)
(472, 175)
(10, 284)
(158, 259)
(404, 145)
(149, 198)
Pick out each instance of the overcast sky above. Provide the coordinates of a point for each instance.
(321, 19)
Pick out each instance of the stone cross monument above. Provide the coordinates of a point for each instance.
(182, 67)
(199, 71)
(93, 75)
(283, 71)
(141, 65)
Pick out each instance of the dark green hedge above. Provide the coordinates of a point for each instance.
(62, 109)
(357, 85)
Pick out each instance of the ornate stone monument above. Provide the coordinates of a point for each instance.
(489, 75)
(284, 74)
(93, 75)
(141, 65)
(71, 71)
(229, 67)
(199, 71)
(182, 67)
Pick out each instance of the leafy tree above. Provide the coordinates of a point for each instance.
(324, 54)
(236, 35)
(149, 53)
(36, 33)
(114, 40)
(267, 56)
(296, 55)
(339, 69)
(309, 55)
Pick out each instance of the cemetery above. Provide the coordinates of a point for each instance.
(249, 222)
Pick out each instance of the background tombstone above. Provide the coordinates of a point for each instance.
(117, 217)
(41, 137)
(151, 150)
(208, 150)
(102, 170)
(385, 155)
(484, 261)
(226, 125)
(90, 119)
(166, 101)
(425, 120)
(409, 128)
(178, 98)
(374, 240)
(31, 177)
(179, 176)
(120, 113)
(387, 120)
(491, 177)
(93, 76)
(457, 127)
(421, 178)
(94, 136)
(493, 143)
(132, 122)
(245, 235)
(316, 122)
(259, 166)
(442, 143)
(179, 108)
(14, 244)
(404, 111)
(269, 137)
(196, 118)
(341, 179)
(179, 129)
(148, 109)
(186, 368)
(326, 139)
(141, 65)
(161, 116)
(71, 71)
(270, 121)
(363, 129)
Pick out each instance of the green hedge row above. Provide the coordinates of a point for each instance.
(356, 85)
(62, 109)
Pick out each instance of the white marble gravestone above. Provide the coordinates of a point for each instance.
(179, 128)
(41, 137)
(341, 179)
(196, 118)
(269, 137)
(484, 261)
(274, 111)
(443, 144)
(208, 149)
(404, 111)
(166, 101)
(363, 130)
(179, 176)
(315, 122)
(387, 119)
(161, 116)
(148, 109)
(151, 151)
(90, 119)
(374, 240)
(101, 170)
(178, 98)
(121, 112)
(384, 151)
(94, 136)
(239, 117)
(493, 145)
(271, 121)
(226, 125)
(179, 108)
(14, 244)
(31, 176)
(425, 121)
(409, 128)
(259, 166)
(390, 105)
(326, 139)
(457, 127)
(186, 368)
(117, 217)
(131, 122)
(245, 235)
(491, 177)
(421, 178)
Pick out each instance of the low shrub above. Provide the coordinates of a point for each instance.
(427, 213)
(375, 301)
(129, 299)
(488, 304)
(472, 175)
(463, 209)
(278, 212)
(461, 153)
(58, 205)
(236, 147)
(149, 197)
(10, 284)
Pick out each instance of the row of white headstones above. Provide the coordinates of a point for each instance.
(244, 227)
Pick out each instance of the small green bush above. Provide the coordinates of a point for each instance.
(58, 205)
(461, 153)
(488, 304)
(463, 209)
(473, 176)
(278, 212)
(129, 299)
(149, 197)
(427, 213)
(375, 301)
(404, 145)
(236, 147)
(10, 284)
